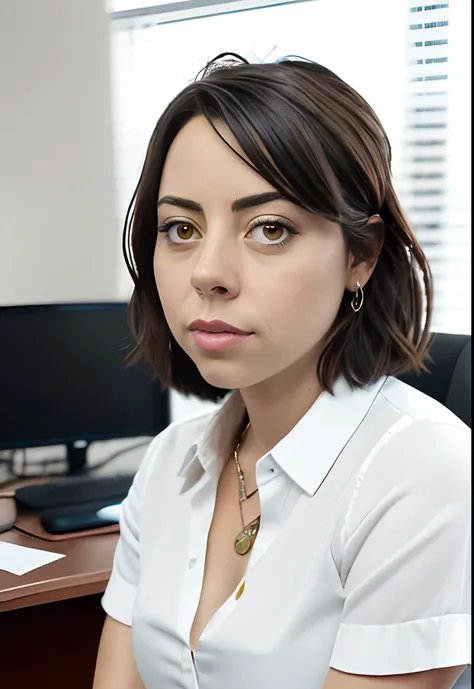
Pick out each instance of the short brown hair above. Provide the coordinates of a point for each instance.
(320, 144)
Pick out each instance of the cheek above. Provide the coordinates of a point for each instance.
(167, 284)
(308, 298)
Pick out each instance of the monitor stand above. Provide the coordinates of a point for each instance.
(77, 458)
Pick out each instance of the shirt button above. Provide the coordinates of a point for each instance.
(240, 591)
(192, 562)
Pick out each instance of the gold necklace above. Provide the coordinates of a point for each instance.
(245, 539)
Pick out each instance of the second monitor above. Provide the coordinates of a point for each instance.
(64, 379)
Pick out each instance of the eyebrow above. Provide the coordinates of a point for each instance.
(237, 206)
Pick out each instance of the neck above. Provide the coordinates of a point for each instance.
(275, 406)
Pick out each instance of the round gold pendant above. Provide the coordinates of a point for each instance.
(245, 539)
(243, 543)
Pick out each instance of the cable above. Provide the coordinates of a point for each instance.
(8, 460)
(110, 458)
(45, 464)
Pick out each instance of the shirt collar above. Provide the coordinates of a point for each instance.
(216, 441)
(308, 452)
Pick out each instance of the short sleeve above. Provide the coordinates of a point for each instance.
(405, 556)
(119, 598)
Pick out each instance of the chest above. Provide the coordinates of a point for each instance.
(281, 630)
(224, 568)
(267, 636)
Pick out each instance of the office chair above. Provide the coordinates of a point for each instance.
(449, 377)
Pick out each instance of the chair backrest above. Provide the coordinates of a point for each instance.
(449, 377)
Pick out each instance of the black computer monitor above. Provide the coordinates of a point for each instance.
(64, 379)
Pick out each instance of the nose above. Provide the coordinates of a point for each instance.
(215, 272)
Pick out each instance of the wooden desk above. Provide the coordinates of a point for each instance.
(51, 618)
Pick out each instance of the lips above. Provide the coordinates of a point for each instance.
(217, 336)
(216, 327)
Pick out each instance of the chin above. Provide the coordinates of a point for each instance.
(227, 375)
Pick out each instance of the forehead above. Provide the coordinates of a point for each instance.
(201, 166)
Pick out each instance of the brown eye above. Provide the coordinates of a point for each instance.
(180, 232)
(273, 232)
(184, 231)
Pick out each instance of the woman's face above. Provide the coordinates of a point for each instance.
(228, 250)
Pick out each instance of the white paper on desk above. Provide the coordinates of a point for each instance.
(17, 559)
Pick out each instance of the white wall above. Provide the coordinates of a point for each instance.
(59, 235)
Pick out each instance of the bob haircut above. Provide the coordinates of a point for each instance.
(320, 144)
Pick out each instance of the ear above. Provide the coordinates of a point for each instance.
(361, 269)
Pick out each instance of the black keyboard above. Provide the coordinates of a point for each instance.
(76, 490)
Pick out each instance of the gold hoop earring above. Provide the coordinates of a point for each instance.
(357, 299)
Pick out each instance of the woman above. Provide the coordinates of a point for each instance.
(313, 533)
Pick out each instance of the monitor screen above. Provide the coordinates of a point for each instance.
(64, 377)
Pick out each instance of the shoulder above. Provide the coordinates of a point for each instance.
(422, 453)
(416, 405)
(422, 439)
(170, 448)
(426, 443)
(173, 444)
(423, 459)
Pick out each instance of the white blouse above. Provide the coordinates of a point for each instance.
(362, 560)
